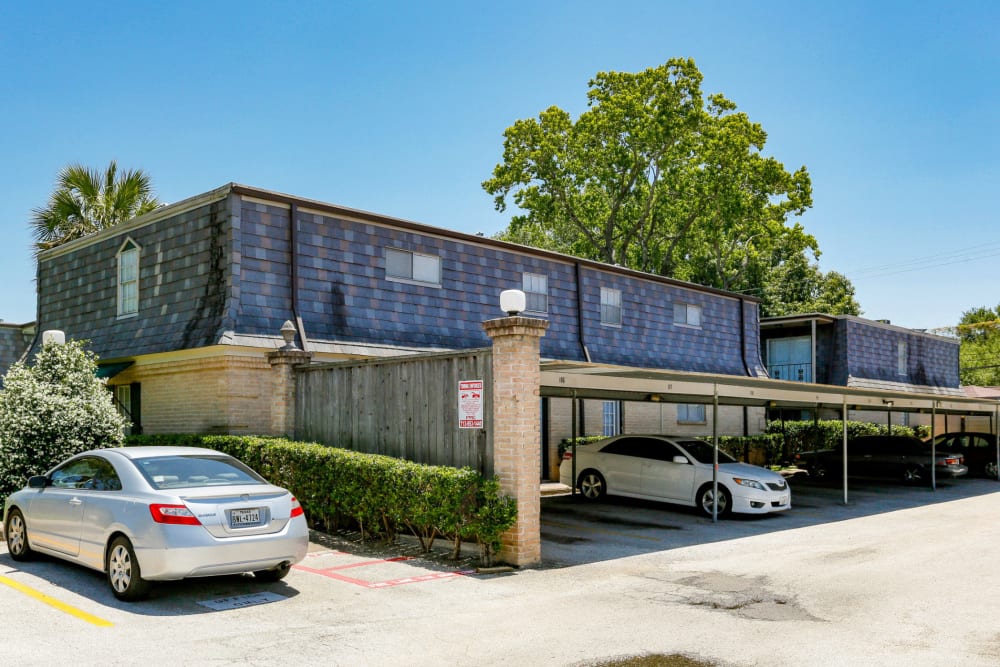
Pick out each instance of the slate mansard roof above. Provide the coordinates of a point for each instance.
(218, 269)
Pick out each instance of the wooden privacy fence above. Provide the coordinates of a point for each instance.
(406, 407)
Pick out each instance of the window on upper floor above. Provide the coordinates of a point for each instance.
(128, 279)
(690, 413)
(687, 314)
(901, 357)
(611, 307)
(413, 267)
(536, 292)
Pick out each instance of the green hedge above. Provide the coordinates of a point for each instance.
(800, 436)
(380, 495)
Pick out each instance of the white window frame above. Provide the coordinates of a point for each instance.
(611, 418)
(687, 315)
(611, 307)
(413, 258)
(536, 288)
(126, 280)
(687, 418)
(902, 357)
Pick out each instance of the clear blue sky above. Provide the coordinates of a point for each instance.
(399, 108)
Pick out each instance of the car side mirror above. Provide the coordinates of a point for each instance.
(38, 482)
(680, 459)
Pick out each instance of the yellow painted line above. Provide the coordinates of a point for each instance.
(52, 602)
(599, 531)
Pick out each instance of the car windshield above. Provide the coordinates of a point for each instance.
(189, 471)
(702, 451)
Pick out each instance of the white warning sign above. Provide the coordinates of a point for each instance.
(470, 404)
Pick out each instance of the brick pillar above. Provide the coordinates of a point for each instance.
(283, 362)
(517, 422)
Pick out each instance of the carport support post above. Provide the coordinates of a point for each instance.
(517, 429)
(996, 425)
(933, 447)
(843, 421)
(715, 456)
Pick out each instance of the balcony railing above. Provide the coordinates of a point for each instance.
(793, 372)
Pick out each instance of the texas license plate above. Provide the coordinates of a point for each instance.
(244, 517)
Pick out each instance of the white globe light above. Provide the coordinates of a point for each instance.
(512, 301)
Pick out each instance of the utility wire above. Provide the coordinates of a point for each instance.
(964, 255)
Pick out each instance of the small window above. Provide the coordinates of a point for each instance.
(128, 279)
(690, 413)
(536, 291)
(403, 265)
(612, 418)
(901, 360)
(611, 306)
(687, 314)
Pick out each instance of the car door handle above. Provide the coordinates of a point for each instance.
(75, 501)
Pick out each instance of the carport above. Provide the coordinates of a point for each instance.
(578, 380)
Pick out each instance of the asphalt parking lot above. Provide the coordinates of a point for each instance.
(902, 576)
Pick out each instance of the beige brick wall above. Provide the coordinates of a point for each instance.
(214, 394)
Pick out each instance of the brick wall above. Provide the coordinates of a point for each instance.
(215, 394)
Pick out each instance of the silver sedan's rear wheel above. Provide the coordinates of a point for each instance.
(706, 499)
(592, 485)
(17, 536)
(124, 574)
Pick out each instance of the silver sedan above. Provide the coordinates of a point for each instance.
(143, 514)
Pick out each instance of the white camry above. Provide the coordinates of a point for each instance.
(143, 514)
(675, 470)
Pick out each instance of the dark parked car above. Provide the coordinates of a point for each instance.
(887, 456)
(978, 449)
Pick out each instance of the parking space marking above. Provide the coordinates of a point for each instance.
(334, 573)
(599, 531)
(52, 602)
(241, 601)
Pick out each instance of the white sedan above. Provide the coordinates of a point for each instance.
(675, 470)
(143, 514)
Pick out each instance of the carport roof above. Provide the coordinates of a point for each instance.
(590, 380)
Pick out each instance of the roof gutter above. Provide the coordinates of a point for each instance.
(293, 242)
(579, 313)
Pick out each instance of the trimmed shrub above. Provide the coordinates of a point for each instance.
(51, 411)
(802, 436)
(379, 495)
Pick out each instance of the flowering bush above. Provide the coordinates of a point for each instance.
(52, 410)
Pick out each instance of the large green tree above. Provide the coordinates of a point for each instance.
(89, 200)
(979, 355)
(657, 177)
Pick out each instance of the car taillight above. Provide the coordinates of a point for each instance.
(296, 508)
(177, 514)
(952, 462)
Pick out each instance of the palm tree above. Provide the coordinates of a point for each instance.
(87, 200)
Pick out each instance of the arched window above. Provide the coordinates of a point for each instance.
(128, 279)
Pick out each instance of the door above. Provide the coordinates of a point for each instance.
(55, 516)
(662, 477)
(621, 464)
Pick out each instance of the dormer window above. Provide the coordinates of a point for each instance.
(128, 279)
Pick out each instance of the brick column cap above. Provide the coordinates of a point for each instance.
(515, 326)
(294, 357)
